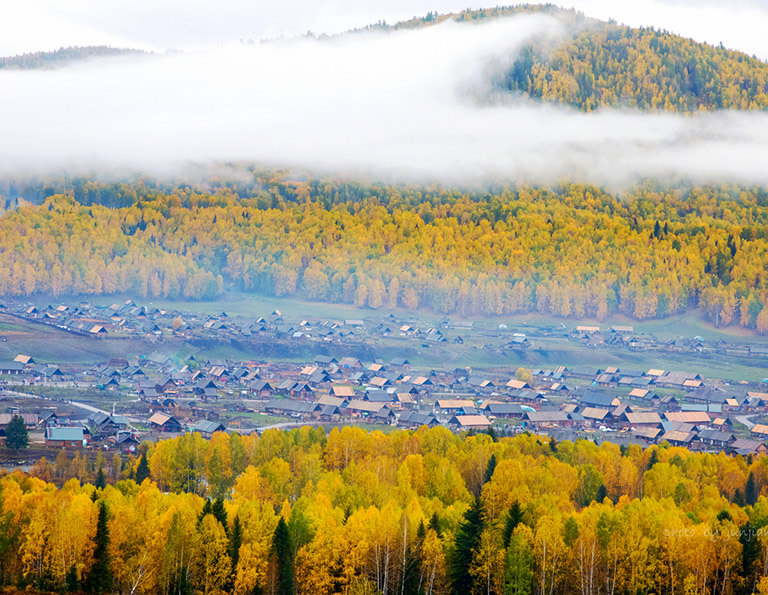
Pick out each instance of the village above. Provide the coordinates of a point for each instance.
(118, 403)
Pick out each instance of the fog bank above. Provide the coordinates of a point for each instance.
(399, 106)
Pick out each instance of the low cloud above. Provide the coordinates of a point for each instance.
(34, 25)
(400, 106)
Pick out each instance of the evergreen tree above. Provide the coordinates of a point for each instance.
(207, 509)
(16, 435)
(100, 576)
(142, 470)
(71, 580)
(180, 583)
(602, 493)
(464, 547)
(283, 552)
(235, 541)
(101, 479)
(738, 498)
(434, 524)
(219, 513)
(750, 553)
(490, 469)
(514, 518)
(751, 492)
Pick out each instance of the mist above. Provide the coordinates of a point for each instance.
(401, 106)
(35, 25)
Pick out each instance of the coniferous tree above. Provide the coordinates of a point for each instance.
(283, 552)
(751, 492)
(490, 469)
(100, 576)
(207, 509)
(233, 549)
(72, 581)
(101, 479)
(434, 524)
(750, 553)
(235, 541)
(142, 470)
(514, 518)
(466, 542)
(219, 513)
(16, 434)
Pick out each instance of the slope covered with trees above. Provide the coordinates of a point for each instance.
(592, 64)
(573, 250)
(62, 57)
(409, 512)
(611, 66)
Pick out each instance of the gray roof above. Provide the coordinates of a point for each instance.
(64, 433)
(504, 409)
(208, 427)
(291, 406)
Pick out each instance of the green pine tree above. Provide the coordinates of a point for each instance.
(99, 578)
(490, 469)
(101, 479)
(434, 524)
(514, 518)
(16, 434)
(283, 552)
(71, 580)
(750, 554)
(751, 491)
(233, 549)
(219, 513)
(142, 470)
(466, 542)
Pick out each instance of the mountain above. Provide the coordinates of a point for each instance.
(598, 64)
(63, 57)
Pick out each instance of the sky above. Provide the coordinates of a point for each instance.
(400, 106)
(31, 25)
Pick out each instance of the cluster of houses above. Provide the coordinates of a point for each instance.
(128, 319)
(131, 320)
(171, 396)
(622, 405)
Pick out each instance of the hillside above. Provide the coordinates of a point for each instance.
(571, 251)
(408, 512)
(598, 64)
(62, 57)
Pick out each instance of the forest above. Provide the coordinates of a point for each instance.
(595, 64)
(571, 251)
(62, 57)
(425, 511)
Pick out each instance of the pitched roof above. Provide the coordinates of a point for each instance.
(343, 391)
(454, 403)
(208, 427)
(470, 421)
(160, 418)
(594, 413)
(643, 418)
(688, 417)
